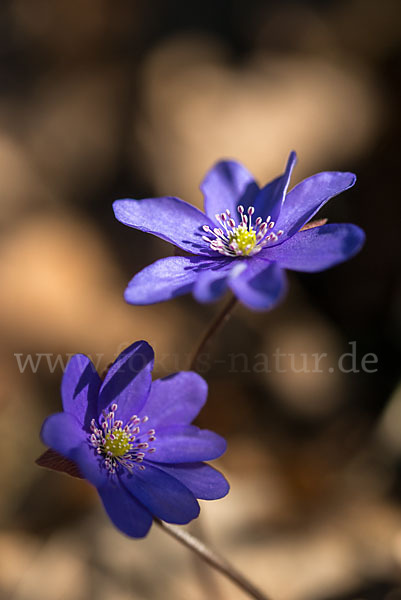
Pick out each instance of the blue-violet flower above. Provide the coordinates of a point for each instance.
(246, 238)
(132, 439)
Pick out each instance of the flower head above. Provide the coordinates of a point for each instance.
(132, 439)
(244, 240)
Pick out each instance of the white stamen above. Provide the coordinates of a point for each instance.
(116, 444)
(243, 239)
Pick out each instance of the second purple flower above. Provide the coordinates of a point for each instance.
(133, 439)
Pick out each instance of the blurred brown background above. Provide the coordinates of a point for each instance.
(105, 99)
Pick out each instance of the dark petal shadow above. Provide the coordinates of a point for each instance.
(209, 264)
(249, 195)
(91, 380)
(126, 372)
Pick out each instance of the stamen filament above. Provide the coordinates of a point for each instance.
(117, 444)
(243, 239)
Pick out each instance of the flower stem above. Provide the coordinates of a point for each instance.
(215, 325)
(213, 559)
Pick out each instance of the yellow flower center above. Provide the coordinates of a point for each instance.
(117, 443)
(243, 238)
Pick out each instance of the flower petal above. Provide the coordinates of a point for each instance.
(183, 444)
(62, 432)
(90, 464)
(79, 389)
(304, 201)
(204, 481)
(211, 283)
(165, 279)
(168, 218)
(125, 511)
(260, 286)
(270, 198)
(318, 248)
(226, 185)
(128, 381)
(163, 495)
(175, 400)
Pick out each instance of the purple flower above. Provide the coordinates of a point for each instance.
(132, 439)
(246, 239)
